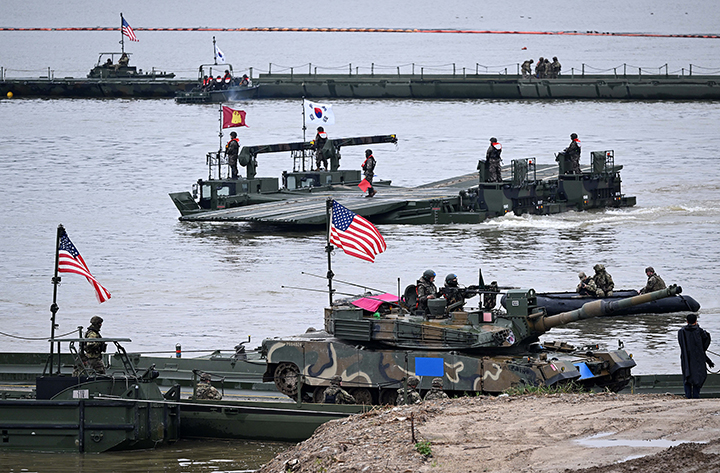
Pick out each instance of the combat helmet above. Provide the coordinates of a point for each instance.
(493, 140)
(437, 383)
(205, 378)
(573, 136)
(96, 320)
(413, 381)
(581, 275)
(335, 380)
(368, 152)
(451, 280)
(428, 274)
(598, 268)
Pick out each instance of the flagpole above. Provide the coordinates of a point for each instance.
(303, 104)
(220, 134)
(122, 35)
(329, 248)
(54, 307)
(214, 51)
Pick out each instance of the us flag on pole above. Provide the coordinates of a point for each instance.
(128, 31)
(355, 235)
(70, 261)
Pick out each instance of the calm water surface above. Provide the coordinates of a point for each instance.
(104, 169)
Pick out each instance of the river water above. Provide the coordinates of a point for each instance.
(104, 168)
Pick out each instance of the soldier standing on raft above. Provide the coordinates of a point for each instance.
(321, 138)
(368, 168)
(94, 350)
(231, 151)
(205, 390)
(492, 156)
(573, 153)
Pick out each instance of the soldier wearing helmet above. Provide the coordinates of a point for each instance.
(603, 280)
(490, 298)
(93, 351)
(205, 390)
(587, 286)
(413, 396)
(493, 159)
(454, 293)
(654, 282)
(321, 161)
(436, 390)
(368, 167)
(573, 152)
(426, 289)
(335, 394)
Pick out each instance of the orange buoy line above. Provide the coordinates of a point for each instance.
(379, 30)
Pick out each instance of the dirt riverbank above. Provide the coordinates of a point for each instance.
(569, 433)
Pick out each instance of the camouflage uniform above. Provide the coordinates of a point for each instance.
(436, 391)
(336, 394)
(490, 300)
(205, 390)
(555, 68)
(94, 350)
(654, 282)
(231, 151)
(526, 68)
(368, 167)
(454, 294)
(424, 288)
(587, 287)
(492, 156)
(603, 280)
(573, 153)
(413, 396)
(540, 68)
(320, 140)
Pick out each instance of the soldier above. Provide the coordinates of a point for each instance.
(587, 286)
(453, 293)
(94, 350)
(654, 282)
(413, 396)
(573, 152)
(368, 167)
(205, 390)
(492, 156)
(335, 394)
(231, 151)
(436, 391)
(603, 280)
(425, 287)
(490, 300)
(555, 68)
(540, 68)
(124, 60)
(320, 140)
(694, 342)
(526, 68)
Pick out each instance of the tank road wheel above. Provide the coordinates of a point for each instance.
(319, 394)
(286, 378)
(362, 395)
(388, 397)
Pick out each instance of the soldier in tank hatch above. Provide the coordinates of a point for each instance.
(573, 152)
(490, 299)
(454, 293)
(426, 289)
(231, 151)
(335, 394)
(603, 280)
(492, 156)
(94, 350)
(205, 390)
(413, 396)
(654, 282)
(436, 391)
(587, 286)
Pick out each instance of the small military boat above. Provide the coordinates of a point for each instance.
(110, 66)
(215, 88)
(87, 412)
(557, 302)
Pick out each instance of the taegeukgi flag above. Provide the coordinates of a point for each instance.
(231, 117)
(319, 113)
(354, 234)
(70, 261)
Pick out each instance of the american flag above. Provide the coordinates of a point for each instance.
(355, 235)
(70, 261)
(128, 31)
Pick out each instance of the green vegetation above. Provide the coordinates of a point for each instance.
(565, 388)
(423, 448)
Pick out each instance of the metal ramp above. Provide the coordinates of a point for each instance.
(542, 172)
(310, 210)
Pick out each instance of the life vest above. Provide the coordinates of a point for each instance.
(206, 82)
(237, 140)
(577, 140)
(227, 78)
(323, 135)
(218, 80)
(497, 146)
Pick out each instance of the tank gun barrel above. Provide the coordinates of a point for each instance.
(599, 307)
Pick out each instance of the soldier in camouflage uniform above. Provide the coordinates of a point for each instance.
(205, 390)
(490, 300)
(413, 396)
(573, 152)
(454, 293)
(587, 286)
(335, 394)
(232, 148)
(436, 391)
(526, 68)
(555, 68)
(654, 282)
(94, 350)
(492, 156)
(425, 287)
(603, 280)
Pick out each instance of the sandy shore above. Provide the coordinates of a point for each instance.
(590, 433)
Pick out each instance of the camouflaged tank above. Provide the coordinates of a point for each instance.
(474, 352)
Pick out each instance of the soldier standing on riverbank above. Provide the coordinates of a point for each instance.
(413, 396)
(436, 391)
(694, 341)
